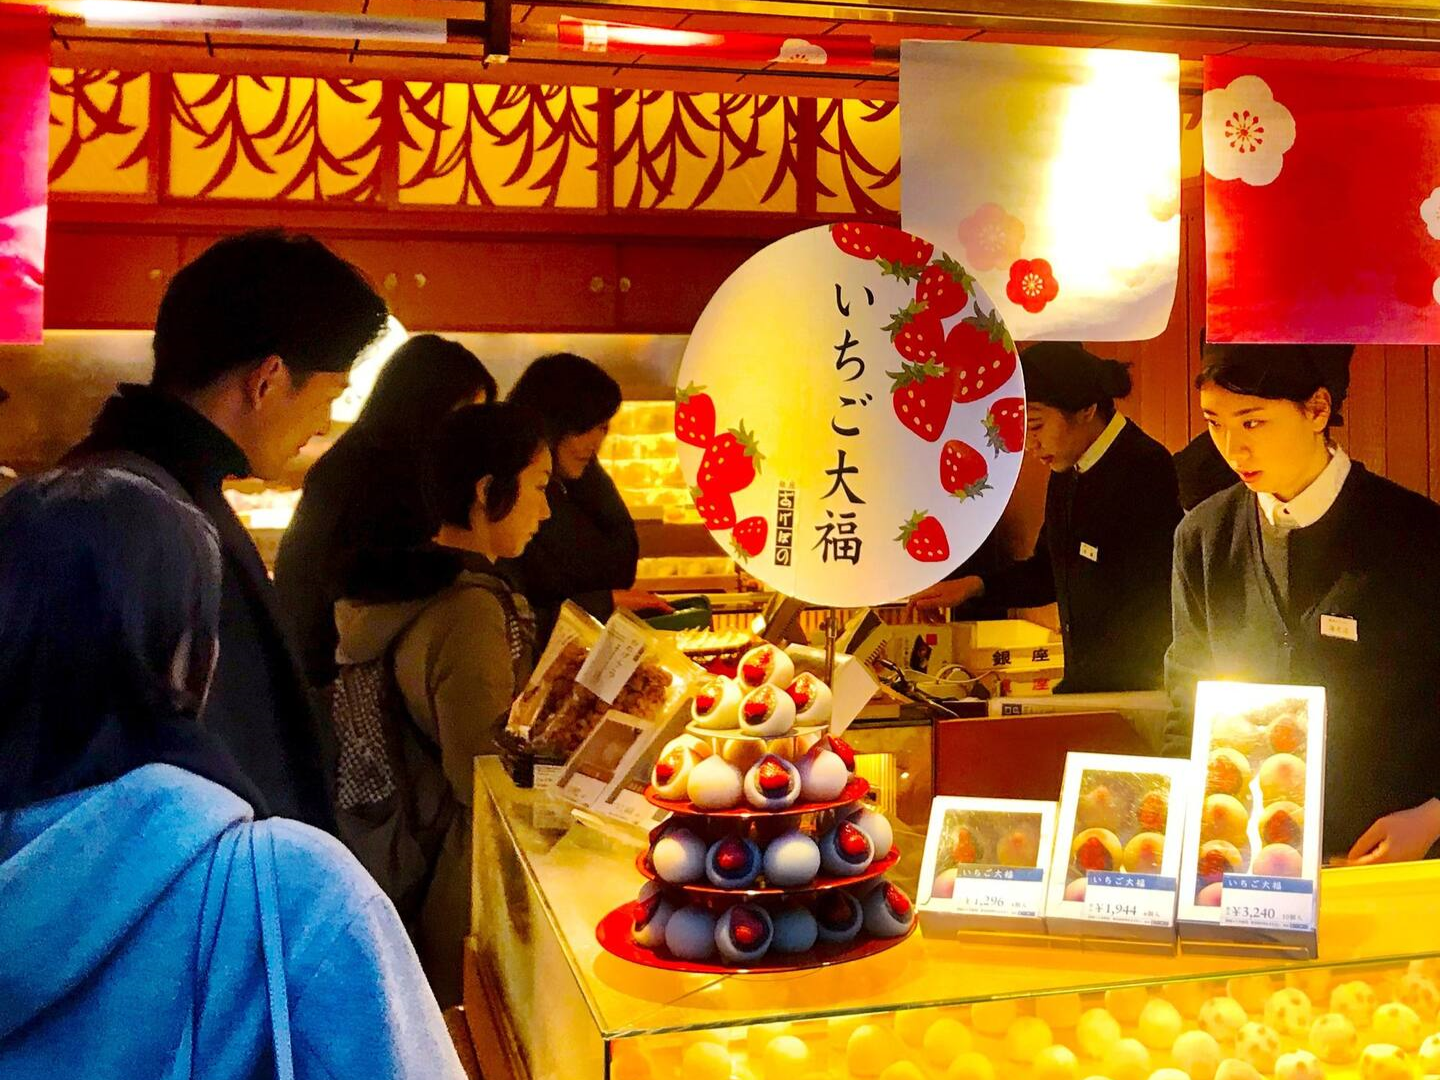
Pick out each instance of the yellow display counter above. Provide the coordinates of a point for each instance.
(546, 1001)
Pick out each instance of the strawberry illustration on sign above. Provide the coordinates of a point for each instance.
(921, 398)
(730, 463)
(716, 511)
(694, 416)
(1005, 425)
(945, 288)
(980, 354)
(924, 538)
(899, 254)
(749, 537)
(963, 471)
(1032, 284)
(916, 333)
(860, 239)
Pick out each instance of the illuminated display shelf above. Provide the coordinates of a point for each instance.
(577, 1012)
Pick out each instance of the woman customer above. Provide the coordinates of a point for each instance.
(1315, 571)
(460, 642)
(151, 923)
(367, 488)
(588, 550)
(1111, 508)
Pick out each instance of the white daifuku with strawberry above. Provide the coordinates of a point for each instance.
(851, 415)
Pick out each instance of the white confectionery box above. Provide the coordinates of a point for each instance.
(985, 865)
(1117, 854)
(1254, 828)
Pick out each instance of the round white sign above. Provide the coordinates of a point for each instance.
(850, 413)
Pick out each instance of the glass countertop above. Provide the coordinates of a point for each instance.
(1367, 915)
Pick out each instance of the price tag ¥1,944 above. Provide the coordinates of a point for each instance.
(1134, 899)
(613, 659)
(1015, 892)
(1267, 903)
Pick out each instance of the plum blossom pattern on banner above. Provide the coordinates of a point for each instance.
(1246, 132)
(991, 237)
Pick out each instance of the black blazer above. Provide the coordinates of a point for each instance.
(1104, 555)
(1371, 558)
(259, 705)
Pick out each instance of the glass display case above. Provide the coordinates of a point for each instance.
(932, 1007)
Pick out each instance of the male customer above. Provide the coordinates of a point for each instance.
(253, 341)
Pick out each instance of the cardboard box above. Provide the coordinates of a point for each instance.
(1251, 879)
(985, 865)
(1118, 850)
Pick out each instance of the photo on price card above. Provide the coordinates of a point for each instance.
(1120, 822)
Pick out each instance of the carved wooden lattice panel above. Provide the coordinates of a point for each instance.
(478, 145)
(99, 128)
(254, 138)
(857, 168)
(704, 151)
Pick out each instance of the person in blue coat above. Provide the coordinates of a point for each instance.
(152, 926)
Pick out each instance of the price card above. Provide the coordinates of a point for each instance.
(1134, 899)
(1267, 903)
(999, 890)
(614, 658)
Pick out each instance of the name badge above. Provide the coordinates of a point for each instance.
(1090, 551)
(1339, 626)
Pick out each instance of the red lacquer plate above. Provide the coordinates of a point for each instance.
(613, 933)
(874, 870)
(854, 791)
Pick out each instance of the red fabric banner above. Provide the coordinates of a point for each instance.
(24, 164)
(1322, 202)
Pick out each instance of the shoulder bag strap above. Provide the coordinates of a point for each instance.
(262, 846)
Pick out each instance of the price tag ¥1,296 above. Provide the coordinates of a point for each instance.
(1133, 899)
(1011, 891)
(1267, 903)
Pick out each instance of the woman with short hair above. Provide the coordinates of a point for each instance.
(152, 925)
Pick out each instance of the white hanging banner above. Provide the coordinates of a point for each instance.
(850, 415)
(1053, 175)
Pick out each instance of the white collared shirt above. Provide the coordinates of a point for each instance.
(1097, 449)
(1314, 502)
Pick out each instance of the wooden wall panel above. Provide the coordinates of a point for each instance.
(1407, 438)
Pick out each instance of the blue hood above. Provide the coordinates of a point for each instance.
(79, 874)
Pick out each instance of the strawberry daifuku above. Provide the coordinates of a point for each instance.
(690, 933)
(652, 913)
(772, 783)
(671, 773)
(823, 775)
(888, 911)
(767, 712)
(743, 934)
(812, 698)
(838, 916)
(846, 851)
(679, 856)
(791, 860)
(714, 784)
(766, 664)
(795, 930)
(733, 862)
(716, 706)
(877, 826)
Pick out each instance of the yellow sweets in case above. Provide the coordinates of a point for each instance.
(902, 1070)
(1333, 1038)
(911, 1024)
(971, 1066)
(1288, 1012)
(1399, 1025)
(1055, 1063)
(993, 1017)
(1060, 1011)
(1430, 1056)
(1382, 1061)
(1300, 1065)
(785, 1057)
(1026, 1037)
(871, 1050)
(706, 1061)
(1169, 1074)
(945, 1040)
(1188, 997)
(1128, 1060)
(1198, 1054)
(1421, 994)
(1259, 1045)
(1222, 1017)
(1160, 1024)
(1125, 1002)
(1354, 1000)
(1097, 1033)
(1235, 1069)
(1251, 991)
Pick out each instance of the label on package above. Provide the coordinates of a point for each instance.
(1012, 891)
(1267, 903)
(613, 659)
(1131, 899)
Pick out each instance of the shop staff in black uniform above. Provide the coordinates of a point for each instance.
(1111, 508)
(1316, 572)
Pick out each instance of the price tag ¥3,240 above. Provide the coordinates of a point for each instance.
(1012, 891)
(1267, 903)
(1133, 899)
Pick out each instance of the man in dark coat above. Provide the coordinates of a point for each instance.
(253, 342)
